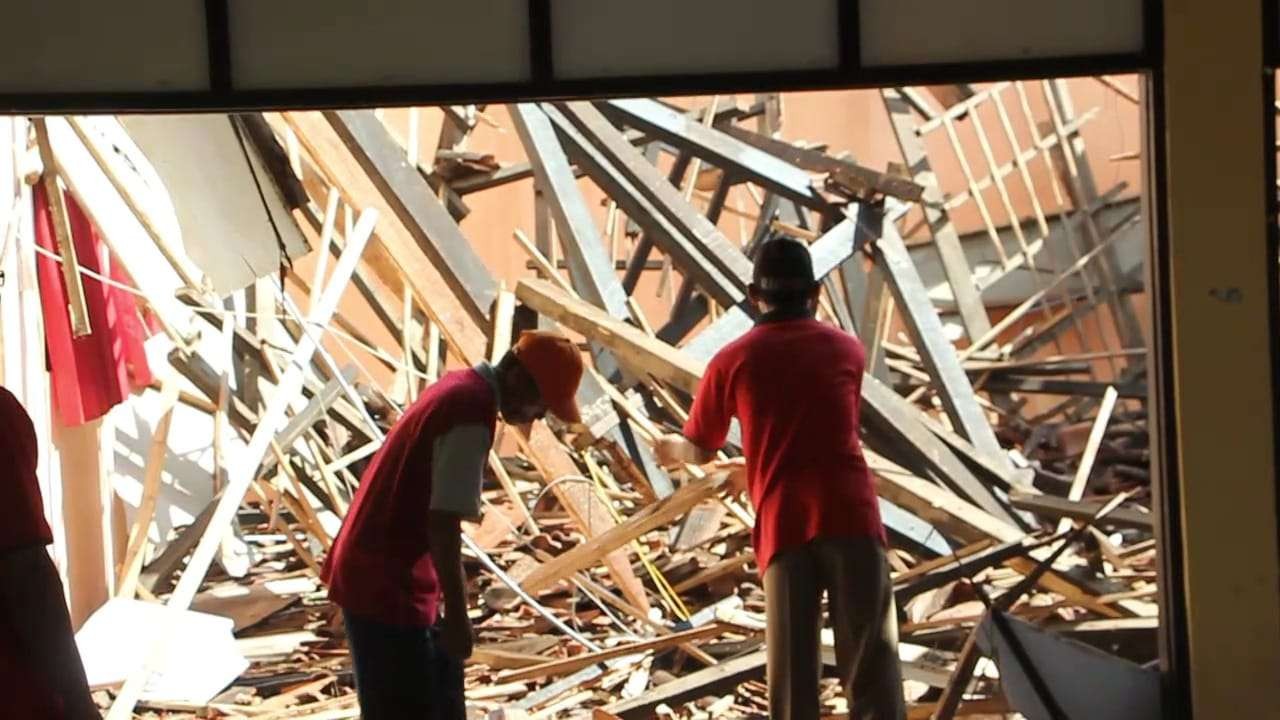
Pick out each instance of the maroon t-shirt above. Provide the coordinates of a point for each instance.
(22, 525)
(380, 566)
(795, 387)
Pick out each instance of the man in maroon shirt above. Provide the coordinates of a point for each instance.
(41, 676)
(795, 386)
(399, 552)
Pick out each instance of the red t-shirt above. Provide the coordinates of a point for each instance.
(22, 525)
(795, 386)
(380, 566)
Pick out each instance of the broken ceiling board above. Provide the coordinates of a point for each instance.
(218, 185)
(154, 276)
(116, 641)
(249, 605)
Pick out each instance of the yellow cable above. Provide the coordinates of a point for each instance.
(665, 590)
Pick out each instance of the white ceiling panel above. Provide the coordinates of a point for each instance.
(621, 38)
(102, 46)
(348, 43)
(917, 32)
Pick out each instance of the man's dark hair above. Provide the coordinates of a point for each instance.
(783, 272)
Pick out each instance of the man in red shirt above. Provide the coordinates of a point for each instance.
(41, 676)
(399, 552)
(795, 385)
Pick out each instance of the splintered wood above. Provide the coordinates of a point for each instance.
(601, 585)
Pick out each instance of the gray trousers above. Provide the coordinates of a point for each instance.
(854, 573)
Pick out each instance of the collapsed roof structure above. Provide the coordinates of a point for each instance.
(295, 278)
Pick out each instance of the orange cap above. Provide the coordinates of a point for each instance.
(556, 367)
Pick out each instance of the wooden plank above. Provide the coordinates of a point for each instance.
(131, 566)
(1077, 176)
(1132, 390)
(573, 664)
(650, 518)
(936, 351)
(1053, 506)
(645, 195)
(1085, 469)
(644, 354)
(409, 196)
(955, 265)
(719, 149)
(503, 316)
(62, 233)
(708, 681)
(861, 180)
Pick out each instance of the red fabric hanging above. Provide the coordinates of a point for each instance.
(92, 374)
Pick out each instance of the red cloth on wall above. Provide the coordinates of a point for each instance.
(92, 374)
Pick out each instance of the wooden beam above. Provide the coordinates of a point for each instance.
(955, 265)
(577, 662)
(645, 521)
(857, 179)
(131, 567)
(645, 196)
(589, 267)
(1133, 390)
(408, 195)
(63, 238)
(1058, 507)
(719, 149)
(937, 353)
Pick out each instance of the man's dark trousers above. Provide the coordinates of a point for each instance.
(402, 673)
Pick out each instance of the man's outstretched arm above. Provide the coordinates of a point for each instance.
(674, 450)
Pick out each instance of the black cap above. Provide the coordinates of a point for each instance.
(783, 266)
